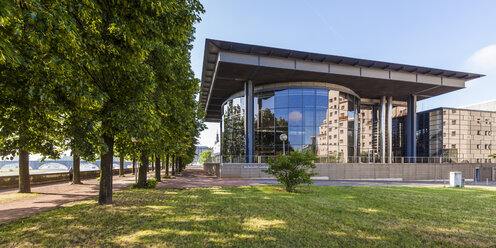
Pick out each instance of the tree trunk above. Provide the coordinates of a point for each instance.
(173, 164)
(143, 169)
(24, 180)
(76, 162)
(167, 164)
(134, 164)
(181, 165)
(153, 160)
(121, 166)
(157, 167)
(106, 160)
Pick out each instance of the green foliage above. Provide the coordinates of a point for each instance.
(150, 184)
(166, 176)
(292, 170)
(205, 156)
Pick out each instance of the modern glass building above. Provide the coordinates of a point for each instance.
(342, 109)
(457, 135)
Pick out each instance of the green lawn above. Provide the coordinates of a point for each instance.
(266, 216)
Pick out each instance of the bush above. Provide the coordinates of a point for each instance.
(167, 176)
(150, 184)
(205, 156)
(292, 170)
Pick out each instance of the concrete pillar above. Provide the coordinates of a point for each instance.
(389, 121)
(411, 128)
(382, 130)
(356, 134)
(249, 127)
(220, 139)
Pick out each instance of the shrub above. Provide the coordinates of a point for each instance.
(167, 176)
(205, 156)
(150, 184)
(292, 170)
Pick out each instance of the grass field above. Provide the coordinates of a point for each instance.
(265, 216)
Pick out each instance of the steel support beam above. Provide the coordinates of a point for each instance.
(389, 121)
(249, 127)
(382, 129)
(411, 128)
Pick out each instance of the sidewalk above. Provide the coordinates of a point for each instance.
(196, 178)
(54, 195)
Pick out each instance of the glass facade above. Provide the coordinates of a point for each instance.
(318, 120)
(457, 135)
(331, 123)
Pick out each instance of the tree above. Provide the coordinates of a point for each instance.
(205, 156)
(114, 41)
(292, 170)
(30, 81)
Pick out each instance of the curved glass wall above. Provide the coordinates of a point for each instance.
(318, 120)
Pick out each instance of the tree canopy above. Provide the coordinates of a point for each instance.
(92, 75)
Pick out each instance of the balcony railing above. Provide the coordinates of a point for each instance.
(355, 159)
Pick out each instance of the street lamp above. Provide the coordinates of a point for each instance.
(134, 165)
(283, 137)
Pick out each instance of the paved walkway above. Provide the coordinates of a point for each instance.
(196, 178)
(54, 195)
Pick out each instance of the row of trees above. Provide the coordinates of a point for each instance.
(92, 76)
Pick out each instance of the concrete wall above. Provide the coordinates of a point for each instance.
(371, 171)
(13, 181)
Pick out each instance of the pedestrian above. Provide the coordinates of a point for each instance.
(70, 175)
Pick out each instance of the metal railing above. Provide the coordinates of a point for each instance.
(353, 159)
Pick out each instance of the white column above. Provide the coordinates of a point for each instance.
(389, 121)
(382, 129)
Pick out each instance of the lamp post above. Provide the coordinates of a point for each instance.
(135, 172)
(283, 137)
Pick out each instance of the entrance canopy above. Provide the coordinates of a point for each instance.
(227, 65)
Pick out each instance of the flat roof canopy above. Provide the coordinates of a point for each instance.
(227, 65)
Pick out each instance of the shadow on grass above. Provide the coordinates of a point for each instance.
(266, 216)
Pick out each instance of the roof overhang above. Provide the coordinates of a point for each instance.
(227, 65)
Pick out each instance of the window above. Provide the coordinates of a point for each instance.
(486, 146)
(444, 123)
(478, 147)
(453, 146)
(453, 111)
(453, 122)
(444, 134)
(453, 133)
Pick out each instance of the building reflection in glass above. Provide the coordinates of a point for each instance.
(317, 120)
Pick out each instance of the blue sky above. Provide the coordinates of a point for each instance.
(455, 35)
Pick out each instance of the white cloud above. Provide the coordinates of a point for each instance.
(484, 60)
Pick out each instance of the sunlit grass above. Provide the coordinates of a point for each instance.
(4, 198)
(265, 216)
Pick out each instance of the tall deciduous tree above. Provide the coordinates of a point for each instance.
(30, 84)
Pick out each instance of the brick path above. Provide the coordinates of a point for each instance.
(55, 195)
(196, 178)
